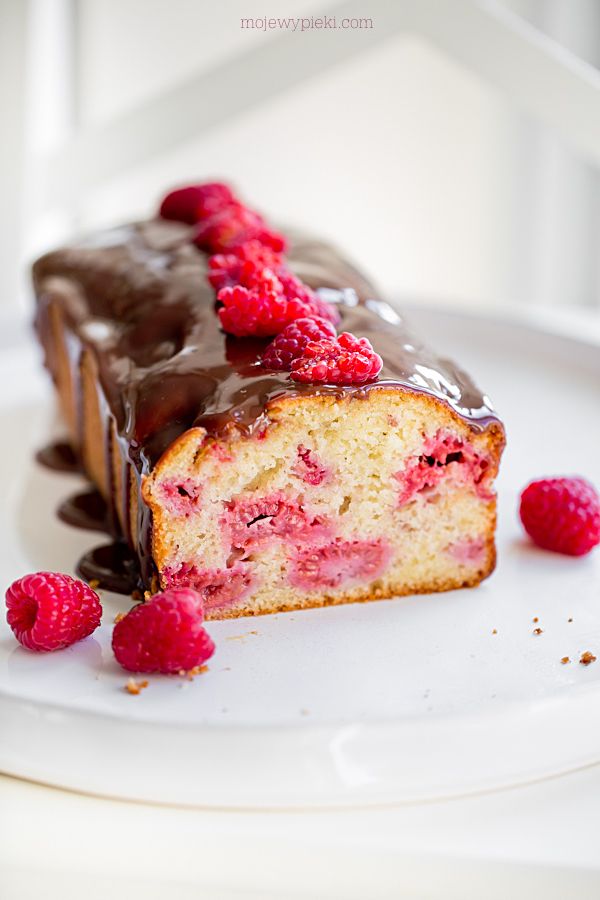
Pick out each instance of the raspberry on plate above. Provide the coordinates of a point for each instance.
(290, 343)
(195, 202)
(562, 514)
(343, 360)
(261, 312)
(164, 634)
(49, 611)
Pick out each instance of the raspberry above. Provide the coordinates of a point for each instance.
(344, 360)
(233, 226)
(219, 588)
(293, 287)
(562, 514)
(290, 343)
(309, 467)
(262, 312)
(49, 611)
(327, 566)
(326, 310)
(164, 634)
(241, 265)
(190, 204)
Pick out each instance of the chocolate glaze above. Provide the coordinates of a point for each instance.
(87, 510)
(60, 457)
(138, 296)
(113, 566)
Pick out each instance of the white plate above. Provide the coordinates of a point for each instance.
(384, 702)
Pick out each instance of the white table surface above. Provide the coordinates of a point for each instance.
(540, 840)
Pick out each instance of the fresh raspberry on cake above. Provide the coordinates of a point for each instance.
(293, 287)
(326, 310)
(345, 360)
(290, 343)
(164, 634)
(49, 611)
(241, 264)
(562, 514)
(261, 313)
(195, 202)
(233, 226)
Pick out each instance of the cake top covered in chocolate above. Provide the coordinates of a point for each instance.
(140, 296)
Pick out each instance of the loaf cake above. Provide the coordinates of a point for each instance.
(259, 482)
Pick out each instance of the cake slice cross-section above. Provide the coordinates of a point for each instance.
(263, 493)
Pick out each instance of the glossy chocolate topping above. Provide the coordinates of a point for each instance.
(139, 296)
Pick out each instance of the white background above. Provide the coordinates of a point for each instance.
(438, 184)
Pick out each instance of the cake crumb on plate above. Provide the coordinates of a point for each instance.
(135, 687)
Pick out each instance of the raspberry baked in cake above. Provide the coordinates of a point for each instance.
(263, 428)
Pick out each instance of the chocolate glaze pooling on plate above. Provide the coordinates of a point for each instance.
(138, 296)
(87, 510)
(60, 457)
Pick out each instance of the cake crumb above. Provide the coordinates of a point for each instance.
(494, 631)
(570, 620)
(190, 674)
(535, 619)
(94, 583)
(565, 660)
(538, 630)
(135, 687)
(118, 617)
(147, 595)
(587, 658)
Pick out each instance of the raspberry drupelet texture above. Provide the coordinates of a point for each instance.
(261, 312)
(343, 360)
(562, 514)
(195, 202)
(293, 288)
(290, 343)
(164, 634)
(326, 310)
(242, 264)
(233, 226)
(49, 611)
(254, 265)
